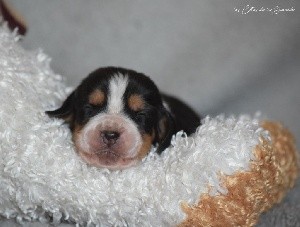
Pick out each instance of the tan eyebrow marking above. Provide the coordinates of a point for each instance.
(97, 97)
(136, 102)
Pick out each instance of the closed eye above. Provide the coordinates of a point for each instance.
(141, 113)
(91, 110)
(88, 110)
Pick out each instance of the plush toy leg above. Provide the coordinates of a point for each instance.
(251, 193)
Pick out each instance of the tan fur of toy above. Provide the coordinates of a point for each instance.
(251, 193)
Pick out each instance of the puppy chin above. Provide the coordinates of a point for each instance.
(120, 153)
(109, 161)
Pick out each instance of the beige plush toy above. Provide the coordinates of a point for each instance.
(252, 192)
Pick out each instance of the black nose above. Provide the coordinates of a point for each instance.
(110, 136)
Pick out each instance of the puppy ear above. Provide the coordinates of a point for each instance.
(66, 110)
(165, 130)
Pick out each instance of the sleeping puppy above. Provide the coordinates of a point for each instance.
(116, 115)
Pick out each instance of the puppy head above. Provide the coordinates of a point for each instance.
(115, 116)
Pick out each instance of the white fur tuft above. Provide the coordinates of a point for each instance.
(40, 173)
(117, 88)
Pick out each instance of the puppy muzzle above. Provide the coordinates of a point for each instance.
(109, 140)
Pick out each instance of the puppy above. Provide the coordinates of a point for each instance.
(116, 115)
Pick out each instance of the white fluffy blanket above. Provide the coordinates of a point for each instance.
(42, 176)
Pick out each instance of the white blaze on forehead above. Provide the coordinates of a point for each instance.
(117, 88)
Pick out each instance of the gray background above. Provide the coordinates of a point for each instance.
(218, 60)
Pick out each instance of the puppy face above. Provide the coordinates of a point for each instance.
(115, 116)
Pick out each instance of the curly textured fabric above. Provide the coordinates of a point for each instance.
(41, 176)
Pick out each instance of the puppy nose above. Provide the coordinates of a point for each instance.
(110, 135)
